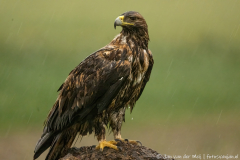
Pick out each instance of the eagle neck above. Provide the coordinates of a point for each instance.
(138, 36)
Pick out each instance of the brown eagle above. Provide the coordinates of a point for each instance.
(98, 91)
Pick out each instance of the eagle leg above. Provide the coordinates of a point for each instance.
(110, 144)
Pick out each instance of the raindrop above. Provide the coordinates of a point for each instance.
(186, 149)
(45, 58)
(237, 30)
(195, 102)
(168, 71)
(30, 117)
(19, 28)
(219, 117)
(8, 130)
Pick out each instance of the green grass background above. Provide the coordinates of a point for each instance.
(195, 82)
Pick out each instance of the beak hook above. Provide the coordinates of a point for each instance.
(115, 24)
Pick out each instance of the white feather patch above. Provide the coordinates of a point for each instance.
(130, 58)
(123, 40)
(131, 77)
(138, 79)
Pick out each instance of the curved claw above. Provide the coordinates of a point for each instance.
(139, 142)
(119, 148)
(133, 142)
(117, 140)
(74, 148)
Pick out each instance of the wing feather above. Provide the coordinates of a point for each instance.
(93, 84)
(148, 73)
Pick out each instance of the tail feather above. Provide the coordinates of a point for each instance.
(43, 144)
(58, 143)
(62, 142)
(58, 140)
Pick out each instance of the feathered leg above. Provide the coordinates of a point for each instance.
(100, 133)
(116, 120)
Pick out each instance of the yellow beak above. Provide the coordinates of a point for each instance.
(119, 22)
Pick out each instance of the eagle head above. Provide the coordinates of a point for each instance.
(130, 20)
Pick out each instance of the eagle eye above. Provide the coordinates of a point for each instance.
(132, 18)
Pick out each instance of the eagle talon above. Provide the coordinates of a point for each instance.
(117, 140)
(74, 148)
(133, 142)
(109, 144)
(139, 142)
(93, 146)
(119, 148)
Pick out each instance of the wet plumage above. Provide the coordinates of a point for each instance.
(98, 91)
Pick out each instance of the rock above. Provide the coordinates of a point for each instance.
(128, 151)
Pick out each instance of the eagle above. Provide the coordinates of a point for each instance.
(98, 91)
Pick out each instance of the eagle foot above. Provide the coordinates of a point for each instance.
(134, 142)
(110, 144)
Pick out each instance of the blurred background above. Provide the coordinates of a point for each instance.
(191, 103)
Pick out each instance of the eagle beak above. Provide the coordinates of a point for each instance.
(119, 22)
